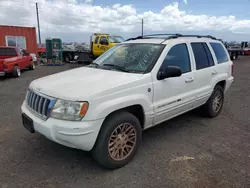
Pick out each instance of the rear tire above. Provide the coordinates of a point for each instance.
(118, 140)
(213, 106)
(16, 72)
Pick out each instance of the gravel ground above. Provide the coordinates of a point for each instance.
(188, 151)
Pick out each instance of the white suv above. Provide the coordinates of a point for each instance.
(104, 107)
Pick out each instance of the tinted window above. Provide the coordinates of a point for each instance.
(200, 55)
(96, 40)
(220, 52)
(103, 40)
(7, 52)
(209, 55)
(178, 56)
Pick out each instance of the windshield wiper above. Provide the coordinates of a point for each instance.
(116, 67)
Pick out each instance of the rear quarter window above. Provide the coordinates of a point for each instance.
(220, 52)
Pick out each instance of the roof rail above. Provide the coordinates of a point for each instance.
(162, 34)
(171, 36)
(199, 36)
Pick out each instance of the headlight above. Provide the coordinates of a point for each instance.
(68, 110)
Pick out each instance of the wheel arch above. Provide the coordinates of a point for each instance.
(136, 109)
(221, 83)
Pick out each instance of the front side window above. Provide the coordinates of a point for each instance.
(103, 40)
(201, 57)
(220, 53)
(16, 41)
(178, 56)
(96, 40)
(131, 57)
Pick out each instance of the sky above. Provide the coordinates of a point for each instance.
(76, 20)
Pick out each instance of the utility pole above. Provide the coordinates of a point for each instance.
(37, 16)
(142, 27)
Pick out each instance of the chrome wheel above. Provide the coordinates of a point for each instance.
(122, 142)
(217, 101)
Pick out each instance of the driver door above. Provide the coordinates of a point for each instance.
(103, 45)
(173, 96)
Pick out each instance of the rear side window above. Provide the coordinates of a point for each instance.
(209, 55)
(178, 56)
(7, 52)
(220, 53)
(202, 55)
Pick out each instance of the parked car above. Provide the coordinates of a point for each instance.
(13, 60)
(104, 107)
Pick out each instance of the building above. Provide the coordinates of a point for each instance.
(23, 37)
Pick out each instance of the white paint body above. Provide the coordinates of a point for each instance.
(108, 91)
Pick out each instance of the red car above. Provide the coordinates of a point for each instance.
(246, 51)
(13, 60)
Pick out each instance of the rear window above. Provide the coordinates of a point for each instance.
(220, 53)
(7, 52)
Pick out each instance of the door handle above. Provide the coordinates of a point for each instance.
(188, 80)
(214, 72)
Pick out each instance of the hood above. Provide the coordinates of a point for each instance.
(81, 83)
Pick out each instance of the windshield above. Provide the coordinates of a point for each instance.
(131, 57)
(116, 39)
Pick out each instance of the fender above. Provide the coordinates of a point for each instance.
(219, 78)
(103, 109)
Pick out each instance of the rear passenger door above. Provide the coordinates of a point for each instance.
(205, 71)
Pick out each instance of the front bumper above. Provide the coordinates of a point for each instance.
(81, 135)
(2, 73)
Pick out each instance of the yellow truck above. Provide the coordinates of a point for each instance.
(101, 42)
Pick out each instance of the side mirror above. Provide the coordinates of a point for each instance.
(169, 72)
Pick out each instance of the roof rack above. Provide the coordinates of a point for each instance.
(171, 36)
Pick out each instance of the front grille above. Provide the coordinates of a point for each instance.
(38, 104)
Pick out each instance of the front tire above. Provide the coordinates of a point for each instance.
(213, 106)
(16, 72)
(118, 140)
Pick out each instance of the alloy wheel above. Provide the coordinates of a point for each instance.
(217, 101)
(122, 142)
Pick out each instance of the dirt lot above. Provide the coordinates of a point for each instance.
(188, 151)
